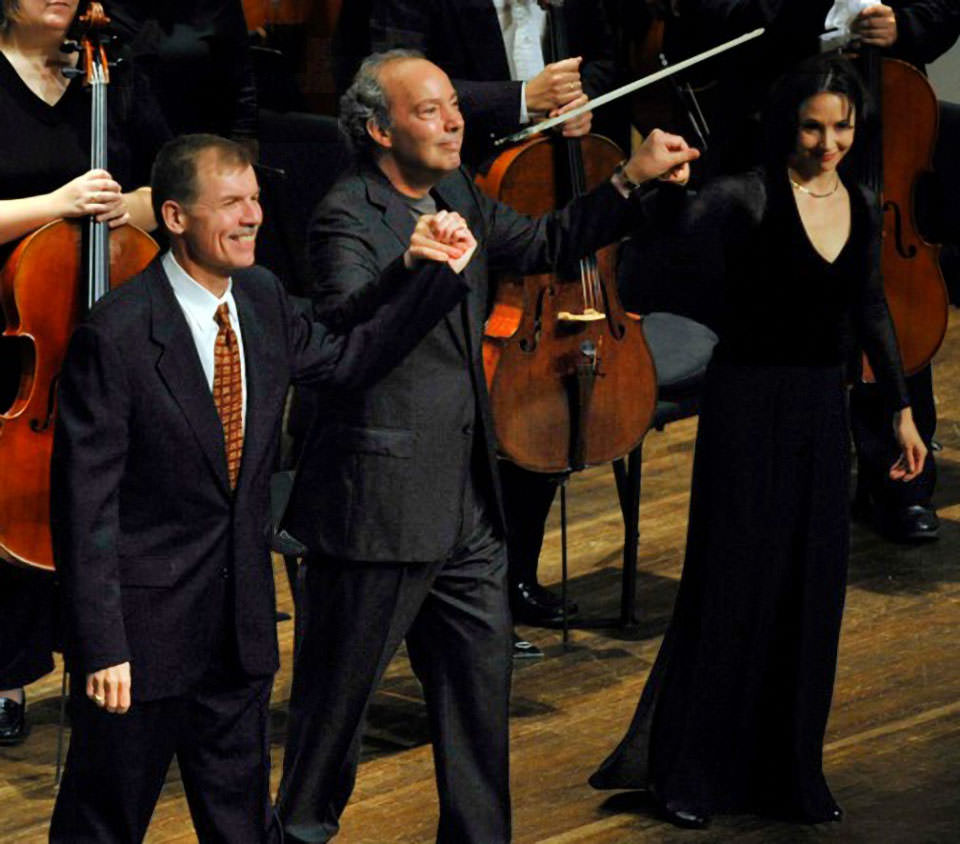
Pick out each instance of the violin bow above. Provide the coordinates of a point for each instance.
(629, 88)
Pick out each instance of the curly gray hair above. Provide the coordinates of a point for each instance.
(366, 100)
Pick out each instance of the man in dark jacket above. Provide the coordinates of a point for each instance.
(169, 411)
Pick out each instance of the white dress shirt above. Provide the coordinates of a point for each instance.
(523, 24)
(199, 306)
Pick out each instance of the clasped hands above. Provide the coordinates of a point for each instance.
(443, 237)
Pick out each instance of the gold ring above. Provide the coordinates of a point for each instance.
(99, 698)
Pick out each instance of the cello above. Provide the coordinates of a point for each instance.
(52, 277)
(570, 377)
(899, 154)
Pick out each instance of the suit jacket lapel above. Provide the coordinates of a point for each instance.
(451, 196)
(260, 376)
(397, 216)
(179, 367)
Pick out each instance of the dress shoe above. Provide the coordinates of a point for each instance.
(910, 524)
(684, 816)
(13, 721)
(533, 604)
(913, 524)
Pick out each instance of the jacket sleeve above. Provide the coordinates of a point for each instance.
(373, 321)
(89, 453)
(520, 244)
(926, 29)
(873, 323)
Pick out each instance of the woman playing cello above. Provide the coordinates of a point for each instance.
(45, 175)
(734, 711)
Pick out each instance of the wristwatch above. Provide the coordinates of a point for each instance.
(622, 182)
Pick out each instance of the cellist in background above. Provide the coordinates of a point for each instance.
(917, 31)
(44, 175)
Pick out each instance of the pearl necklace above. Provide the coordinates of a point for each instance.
(810, 193)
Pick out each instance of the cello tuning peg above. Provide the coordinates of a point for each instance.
(69, 47)
(72, 72)
(120, 62)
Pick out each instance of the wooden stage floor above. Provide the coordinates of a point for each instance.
(892, 754)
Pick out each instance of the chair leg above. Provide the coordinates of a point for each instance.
(563, 562)
(61, 727)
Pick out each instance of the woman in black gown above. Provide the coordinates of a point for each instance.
(45, 175)
(734, 712)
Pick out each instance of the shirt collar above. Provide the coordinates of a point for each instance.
(199, 303)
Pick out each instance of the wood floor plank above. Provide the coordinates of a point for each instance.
(892, 754)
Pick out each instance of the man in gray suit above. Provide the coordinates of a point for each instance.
(397, 493)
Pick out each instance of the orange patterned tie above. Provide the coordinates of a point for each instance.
(228, 390)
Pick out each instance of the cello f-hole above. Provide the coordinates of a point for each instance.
(906, 252)
(38, 426)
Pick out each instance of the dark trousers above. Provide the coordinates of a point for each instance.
(527, 498)
(351, 618)
(117, 763)
(26, 625)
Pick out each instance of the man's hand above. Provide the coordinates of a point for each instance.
(109, 688)
(876, 26)
(578, 126)
(555, 86)
(661, 155)
(443, 237)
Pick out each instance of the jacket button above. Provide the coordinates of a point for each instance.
(225, 573)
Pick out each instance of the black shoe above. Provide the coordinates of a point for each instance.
(910, 524)
(533, 604)
(522, 649)
(13, 721)
(685, 817)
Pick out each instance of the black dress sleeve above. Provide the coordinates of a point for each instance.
(872, 320)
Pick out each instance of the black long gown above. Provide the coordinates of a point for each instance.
(733, 715)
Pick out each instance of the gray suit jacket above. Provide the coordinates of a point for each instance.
(383, 471)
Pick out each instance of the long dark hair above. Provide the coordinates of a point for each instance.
(828, 73)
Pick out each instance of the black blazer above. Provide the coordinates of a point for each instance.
(143, 518)
(464, 38)
(382, 473)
